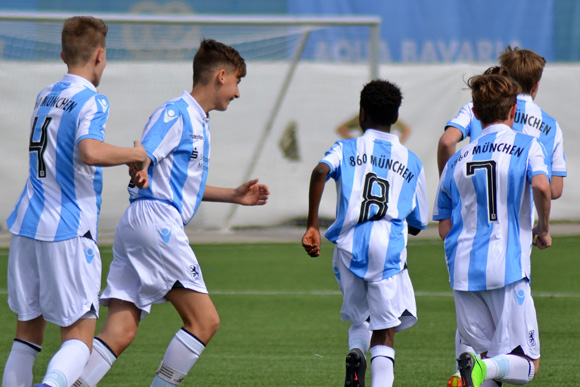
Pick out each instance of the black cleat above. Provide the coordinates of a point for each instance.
(356, 366)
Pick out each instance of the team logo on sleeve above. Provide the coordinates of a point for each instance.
(165, 234)
(104, 104)
(169, 115)
(89, 255)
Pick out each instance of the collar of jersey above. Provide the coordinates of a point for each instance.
(71, 78)
(381, 135)
(187, 97)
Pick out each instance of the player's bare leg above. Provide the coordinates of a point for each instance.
(200, 323)
(116, 335)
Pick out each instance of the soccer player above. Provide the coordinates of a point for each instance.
(153, 261)
(526, 68)
(54, 266)
(484, 208)
(381, 196)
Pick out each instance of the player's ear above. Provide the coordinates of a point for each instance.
(100, 55)
(474, 113)
(62, 57)
(220, 76)
(512, 115)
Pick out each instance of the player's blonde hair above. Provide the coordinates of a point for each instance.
(81, 36)
(524, 66)
(493, 97)
(212, 55)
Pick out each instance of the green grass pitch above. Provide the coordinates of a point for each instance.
(280, 324)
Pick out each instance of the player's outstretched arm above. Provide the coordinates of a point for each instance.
(542, 201)
(98, 153)
(248, 194)
(311, 238)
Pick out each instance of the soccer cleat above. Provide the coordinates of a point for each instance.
(455, 380)
(472, 369)
(356, 366)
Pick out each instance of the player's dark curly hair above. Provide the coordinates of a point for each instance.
(381, 100)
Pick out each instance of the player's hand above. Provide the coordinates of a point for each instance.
(252, 194)
(142, 155)
(541, 239)
(138, 177)
(311, 241)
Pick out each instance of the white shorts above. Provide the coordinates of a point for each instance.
(151, 255)
(57, 280)
(389, 303)
(499, 321)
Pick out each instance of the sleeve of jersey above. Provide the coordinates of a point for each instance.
(93, 119)
(443, 206)
(162, 133)
(558, 157)
(538, 161)
(462, 120)
(419, 217)
(333, 158)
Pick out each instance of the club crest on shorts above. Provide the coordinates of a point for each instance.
(532, 338)
(165, 234)
(89, 255)
(194, 271)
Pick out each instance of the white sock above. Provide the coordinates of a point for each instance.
(67, 364)
(512, 369)
(100, 362)
(359, 336)
(382, 366)
(180, 356)
(18, 368)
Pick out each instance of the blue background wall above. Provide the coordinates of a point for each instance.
(412, 31)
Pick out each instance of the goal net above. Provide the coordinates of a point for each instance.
(278, 129)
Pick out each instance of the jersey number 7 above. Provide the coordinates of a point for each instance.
(489, 167)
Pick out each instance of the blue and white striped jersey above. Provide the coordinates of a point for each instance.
(177, 140)
(380, 189)
(531, 120)
(485, 189)
(62, 196)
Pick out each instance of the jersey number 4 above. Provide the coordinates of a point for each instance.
(489, 167)
(375, 196)
(40, 146)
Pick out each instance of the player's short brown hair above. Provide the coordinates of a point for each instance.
(493, 97)
(212, 55)
(81, 36)
(524, 66)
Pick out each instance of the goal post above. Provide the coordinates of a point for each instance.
(34, 37)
